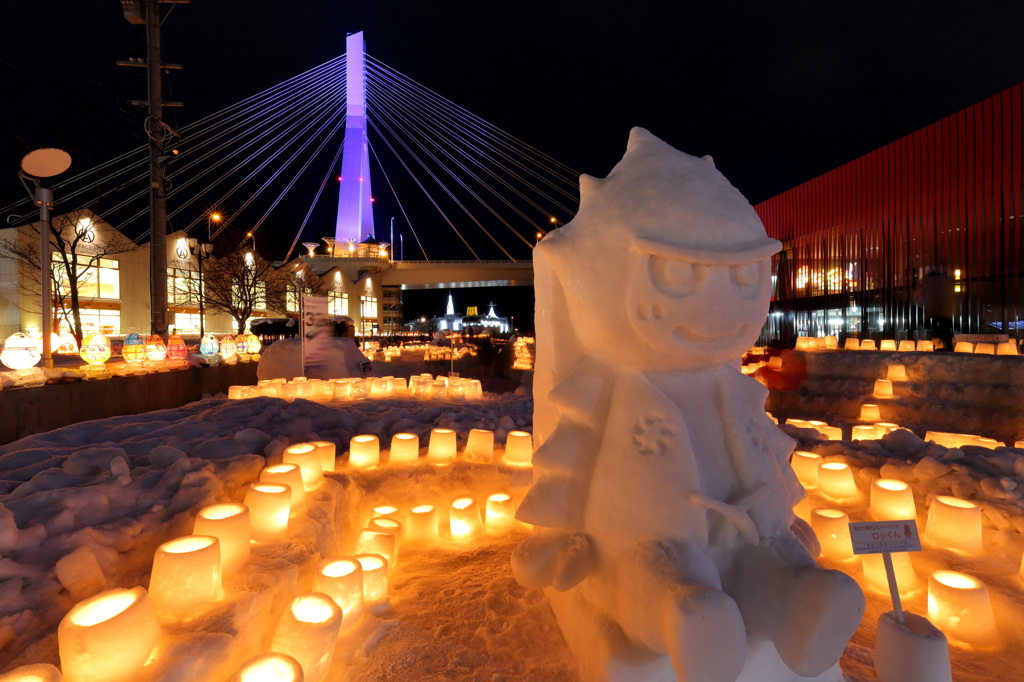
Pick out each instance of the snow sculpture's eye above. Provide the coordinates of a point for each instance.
(747, 278)
(675, 277)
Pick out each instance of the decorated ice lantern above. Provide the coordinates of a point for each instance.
(108, 637)
(209, 345)
(95, 349)
(228, 346)
(155, 348)
(177, 351)
(20, 351)
(134, 349)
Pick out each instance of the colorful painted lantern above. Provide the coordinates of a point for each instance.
(155, 348)
(240, 344)
(209, 346)
(176, 348)
(134, 348)
(20, 351)
(95, 349)
(227, 345)
(253, 344)
(66, 344)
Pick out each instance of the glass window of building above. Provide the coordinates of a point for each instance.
(368, 306)
(186, 323)
(291, 299)
(337, 303)
(183, 286)
(99, 279)
(103, 321)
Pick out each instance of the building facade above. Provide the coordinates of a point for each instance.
(875, 247)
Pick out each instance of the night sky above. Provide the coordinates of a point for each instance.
(777, 92)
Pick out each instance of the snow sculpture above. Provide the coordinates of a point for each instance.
(667, 541)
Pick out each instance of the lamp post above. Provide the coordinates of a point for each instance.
(210, 220)
(200, 252)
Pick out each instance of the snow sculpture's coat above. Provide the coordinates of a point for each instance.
(662, 489)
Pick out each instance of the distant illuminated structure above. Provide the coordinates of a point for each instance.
(471, 321)
(355, 203)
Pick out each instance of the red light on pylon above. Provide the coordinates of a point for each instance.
(372, 200)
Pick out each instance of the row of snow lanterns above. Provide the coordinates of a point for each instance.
(958, 604)
(423, 386)
(111, 636)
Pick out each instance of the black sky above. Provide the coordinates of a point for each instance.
(777, 92)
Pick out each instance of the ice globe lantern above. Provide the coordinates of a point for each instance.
(95, 349)
(20, 351)
(253, 344)
(155, 348)
(241, 346)
(176, 348)
(134, 348)
(67, 344)
(209, 345)
(227, 345)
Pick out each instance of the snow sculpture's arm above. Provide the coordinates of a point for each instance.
(553, 558)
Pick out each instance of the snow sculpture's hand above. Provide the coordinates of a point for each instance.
(805, 534)
(553, 558)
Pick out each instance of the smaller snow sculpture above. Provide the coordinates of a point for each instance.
(662, 491)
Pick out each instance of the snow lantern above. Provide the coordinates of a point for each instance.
(883, 388)
(852, 344)
(291, 476)
(519, 448)
(985, 349)
(390, 526)
(870, 413)
(155, 348)
(907, 346)
(867, 344)
(835, 481)
(439, 389)
(269, 505)
(897, 373)
(959, 605)
(272, 667)
(805, 466)
(177, 351)
(186, 577)
(832, 527)
(95, 349)
(990, 443)
(308, 632)
(229, 523)
(20, 351)
(421, 524)
(882, 428)
(364, 452)
(892, 500)
(375, 582)
(328, 452)
(67, 344)
(209, 345)
(386, 511)
(376, 541)
(34, 672)
(877, 580)
(888, 344)
(963, 347)
(108, 637)
(442, 448)
(307, 456)
(227, 346)
(405, 449)
(480, 446)
(464, 518)
(500, 512)
(864, 432)
(1007, 348)
(925, 346)
(253, 345)
(134, 349)
(455, 391)
(954, 524)
(342, 390)
(941, 438)
(289, 392)
(342, 581)
(304, 389)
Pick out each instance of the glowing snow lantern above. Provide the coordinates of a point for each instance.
(405, 449)
(831, 342)
(925, 346)
(519, 448)
(386, 511)
(391, 527)
(906, 346)
(421, 524)
(832, 527)
(308, 632)
(268, 505)
(805, 466)
(273, 667)
(852, 344)
(134, 349)
(985, 349)
(875, 576)
(896, 373)
(229, 523)
(186, 577)
(363, 452)
(867, 344)
(378, 388)
(439, 389)
(253, 345)
(95, 349)
(990, 443)
(954, 524)
(835, 481)
(870, 413)
(34, 672)
(374, 541)
(342, 390)
(500, 512)
(883, 428)
(291, 476)
(328, 453)
(480, 446)
(963, 347)
(864, 432)
(892, 500)
(375, 582)
(227, 346)
(942, 438)
(888, 344)
(464, 518)
(342, 581)
(108, 637)
(209, 345)
(1007, 348)
(442, 446)
(959, 605)
(20, 351)
(307, 456)
(176, 348)
(155, 348)
(883, 388)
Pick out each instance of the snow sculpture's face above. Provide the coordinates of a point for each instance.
(704, 313)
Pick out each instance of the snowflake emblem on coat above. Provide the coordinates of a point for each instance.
(652, 436)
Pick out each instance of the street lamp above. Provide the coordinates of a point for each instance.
(210, 220)
(37, 167)
(201, 252)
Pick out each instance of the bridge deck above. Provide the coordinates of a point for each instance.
(454, 274)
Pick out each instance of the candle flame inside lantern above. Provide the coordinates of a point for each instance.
(954, 524)
(959, 605)
(364, 452)
(271, 667)
(835, 481)
(104, 609)
(387, 510)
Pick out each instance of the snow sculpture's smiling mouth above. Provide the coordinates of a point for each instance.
(687, 335)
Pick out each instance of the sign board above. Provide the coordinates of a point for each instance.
(981, 338)
(878, 537)
(316, 329)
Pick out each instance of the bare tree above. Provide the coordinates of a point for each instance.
(78, 242)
